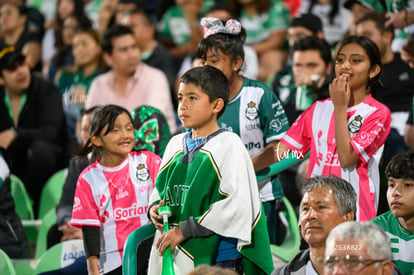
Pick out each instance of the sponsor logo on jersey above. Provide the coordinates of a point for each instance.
(355, 124)
(252, 126)
(251, 111)
(276, 125)
(135, 210)
(249, 146)
(142, 172)
(76, 204)
(121, 194)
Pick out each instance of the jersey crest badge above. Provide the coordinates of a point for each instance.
(142, 173)
(251, 111)
(355, 124)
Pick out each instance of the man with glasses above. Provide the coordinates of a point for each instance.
(358, 248)
(327, 201)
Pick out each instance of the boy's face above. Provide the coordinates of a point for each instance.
(195, 110)
(400, 196)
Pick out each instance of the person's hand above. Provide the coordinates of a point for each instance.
(302, 79)
(396, 19)
(155, 218)
(172, 237)
(6, 138)
(70, 232)
(339, 91)
(315, 80)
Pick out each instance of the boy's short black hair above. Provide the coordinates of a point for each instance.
(401, 166)
(212, 82)
(112, 33)
(308, 21)
(314, 43)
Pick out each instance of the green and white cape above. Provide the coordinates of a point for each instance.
(216, 185)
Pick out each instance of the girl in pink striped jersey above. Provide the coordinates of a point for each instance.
(112, 194)
(346, 133)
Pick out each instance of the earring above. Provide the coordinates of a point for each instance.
(368, 91)
(235, 68)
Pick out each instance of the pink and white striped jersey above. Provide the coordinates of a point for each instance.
(368, 125)
(115, 199)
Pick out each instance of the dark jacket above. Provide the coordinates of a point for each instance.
(41, 117)
(296, 266)
(12, 237)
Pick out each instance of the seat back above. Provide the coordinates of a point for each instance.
(60, 256)
(6, 266)
(51, 192)
(23, 204)
(48, 221)
(291, 244)
(137, 237)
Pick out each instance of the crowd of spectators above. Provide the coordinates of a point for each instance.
(59, 58)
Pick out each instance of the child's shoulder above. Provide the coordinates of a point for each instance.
(386, 221)
(227, 139)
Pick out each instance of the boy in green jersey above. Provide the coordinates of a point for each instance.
(398, 223)
(208, 181)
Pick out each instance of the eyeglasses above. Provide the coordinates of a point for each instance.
(349, 262)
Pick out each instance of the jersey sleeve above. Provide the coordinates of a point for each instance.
(85, 210)
(299, 135)
(273, 118)
(372, 135)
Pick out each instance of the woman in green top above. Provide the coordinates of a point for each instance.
(74, 81)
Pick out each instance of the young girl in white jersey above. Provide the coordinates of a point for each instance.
(346, 133)
(112, 194)
(253, 111)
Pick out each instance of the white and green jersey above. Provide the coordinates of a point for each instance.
(259, 26)
(257, 116)
(402, 241)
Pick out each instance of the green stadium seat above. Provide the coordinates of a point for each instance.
(291, 244)
(60, 255)
(48, 221)
(51, 192)
(6, 266)
(23, 202)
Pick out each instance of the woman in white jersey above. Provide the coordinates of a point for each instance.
(346, 132)
(112, 194)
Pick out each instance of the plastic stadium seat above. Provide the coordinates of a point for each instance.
(63, 255)
(134, 240)
(6, 266)
(51, 192)
(48, 221)
(23, 204)
(291, 244)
